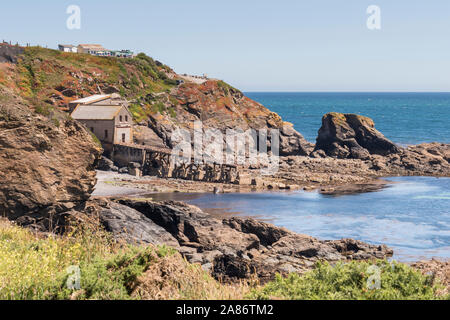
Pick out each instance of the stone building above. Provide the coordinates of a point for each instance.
(111, 123)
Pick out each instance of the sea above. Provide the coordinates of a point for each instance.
(410, 214)
(405, 118)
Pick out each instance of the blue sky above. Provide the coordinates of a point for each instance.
(284, 45)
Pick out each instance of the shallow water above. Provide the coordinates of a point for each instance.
(411, 215)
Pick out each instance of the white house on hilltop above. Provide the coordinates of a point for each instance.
(67, 48)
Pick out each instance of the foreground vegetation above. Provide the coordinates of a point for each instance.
(381, 280)
(34, 266)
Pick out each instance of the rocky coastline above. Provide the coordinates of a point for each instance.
(48, 162)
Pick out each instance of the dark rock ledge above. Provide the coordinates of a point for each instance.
(229, 248)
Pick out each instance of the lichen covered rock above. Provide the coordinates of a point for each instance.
(351, 136)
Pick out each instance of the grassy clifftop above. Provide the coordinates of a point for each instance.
(50, 78)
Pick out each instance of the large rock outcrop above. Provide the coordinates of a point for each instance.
(46, 165)
(351, 136)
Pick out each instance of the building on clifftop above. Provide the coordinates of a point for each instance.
(67, 48)
(94, 49)
(109, 119)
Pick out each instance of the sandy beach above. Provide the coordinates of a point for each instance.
(110, 184)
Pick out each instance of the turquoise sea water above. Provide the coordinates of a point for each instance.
(411, 215)
(405, 118)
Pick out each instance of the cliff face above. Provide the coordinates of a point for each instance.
(221, 107)
(46, 165)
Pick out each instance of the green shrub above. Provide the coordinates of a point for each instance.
(226, 87)
(170, 82)
(351, 281)
(96, 140)
(138, 112)
(158, 107)
(113, 278)
(43, 109)
(172, 112)
(56, 122)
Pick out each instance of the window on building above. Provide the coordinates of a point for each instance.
(106, 134)
(126, 118)
(120, 118)
(123, 137)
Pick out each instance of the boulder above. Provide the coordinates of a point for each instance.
(302, 246)
(105, 164)
(132, 226)
(220, 107)
(134, 165)
(423, 159)
(292, 142)
(135, 172)
(134, 169)
(124, 170)
(359, 250)
(351, 136)
(266, 233)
